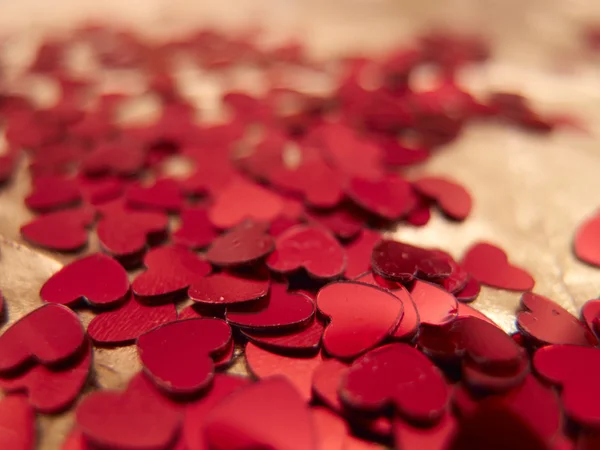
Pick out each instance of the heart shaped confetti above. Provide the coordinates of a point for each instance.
(229, 426)
(196, 231)
(163, 195)
(97, 279)
(171, 270)
(361, 316)
(244, 244)
(586, 241)
(358, 253)
(453, 199)
(310, 248)
(489, 265)
(469, 292)
(398, 375)
(181, 369)
(435, 305)
(389, 198)
(17, 423)
(330, 428)
(590, 313)
(50, 193)
(48, 335)
(341, 222)
(305, 340)
(410, 437)
(226, 289)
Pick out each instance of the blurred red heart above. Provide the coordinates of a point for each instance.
(196, 231)
(410, 437)
(453, 199)
(342, 222)
(587, 238)
(358, 253)
(164, 195)
(52, 192)
(390, 197)
(17, 423)
(244, 244)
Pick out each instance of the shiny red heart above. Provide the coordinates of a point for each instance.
(435, 305)
(468, 311)
(458, 278)
(305, 340)
(546, 322)
(100, 190)
(243, 200)
(398, 375)
(361, 317)
(163, 195)
(51, 391)
(196, 231)
(308, 247)
(50, 193)
(244, 244)
(436, 437)
(330, 428)
(125, 324)
(228, 288)
(587, 238)
(48, 335)
(230, 427)
(469, 292)
(110, 158)
(358, 253)
(97, 279)
(280, 310)
(340, 221)
(389, 198)
(17, 423)
(183, 369)
(326, 378)
(489, 265)
(590, 313)
(452, 198)
(171, 270)
(138, 418)
(64, 231)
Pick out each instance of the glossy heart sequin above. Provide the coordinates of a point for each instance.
(358, 253)
(97, 279)
(196, 231)
(453, 199)
(226, 289)
(183, 369)
(489, 265)
(17, 423)
(361, 317)
(308, 247)
(389, 198)
(51, 193)
(587, 241)
(304, 340)
(435, 305)
(436, 437)
(244, 244)
(164, 195)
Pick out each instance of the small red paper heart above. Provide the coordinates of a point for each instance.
(410, 437)
(302, 341)
(230, 427)
(17, 423)
(196, 413)
(453, 199)
(489, 265)
(112, 158)
(64, 231)
(226, 289)
(139, 418)
(298, 371)
(435, 305)
(196, 231)
(171, 270)
(280, 310)
(308, 247)
(390, 197)
(243, 200)
(183, 369)
(587, 241)
(361, 316)
(358, 253)
(50, 193)
(97, 279)
(49, 335)
(546, 322)
(126, 323)
(51, 391)
(244, 244)
(163, 195)
(398, 375)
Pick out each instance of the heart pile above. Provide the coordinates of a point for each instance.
(352, 340)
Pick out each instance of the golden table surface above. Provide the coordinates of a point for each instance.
(530, 191)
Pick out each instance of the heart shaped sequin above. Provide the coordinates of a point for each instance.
(358, 253)
(163, 195)
(302, 341)
(50, 193)
(244, 244)
(453, 199)
(587, 238)
(435, 305)
(389, 198)
(227, 288)
(196, 231)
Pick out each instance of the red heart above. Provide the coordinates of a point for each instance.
(310, 248)
(51, 193)
(331, 429)
(139, 418)
(171, 269)
(196, 413)
(590, 313)
(100, 190)
(390, 197)
(226, 289)
(546, 322)
(298, 371)
(361, 316)
(410, 437)
(196, 231)
(342, 222)
(111, 158)
(399, 375)
(489, 265)
(453, 199)
(230, 426)
(52, 391)
(587, 238)
(17, 423)
(49, 335)
(469, 292)
(358, 253)
(98, 279)
(458, 278)
(163, 195)
(280, 310)
(244, 244)
(62, 230)
(126, 323)
(306, 340)
(244, 200)
(435, 305)
(183, 369)
(469, 311)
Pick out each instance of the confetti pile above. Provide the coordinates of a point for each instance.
(272, 249)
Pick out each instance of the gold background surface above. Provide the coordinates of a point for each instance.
(530, 191)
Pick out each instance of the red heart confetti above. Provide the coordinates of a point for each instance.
(196, 231)
(453, 199)
(48, 335)
(97, 279)
(586, 241)
(470, 291)
(358, 253)
(389, 198)
(361, 317)
(182, 369)
(17, 423)
(227, 288)
(310, 248)
(125, 324)
(306, 340)
(171, 270)
(489, 265)
(398, 375)
(244, 244)
(435, 305)
(410, 437)
(50, 193)
(164, 195)
(590, 313)
(121, 419)
(341, 222)
(330, 428)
